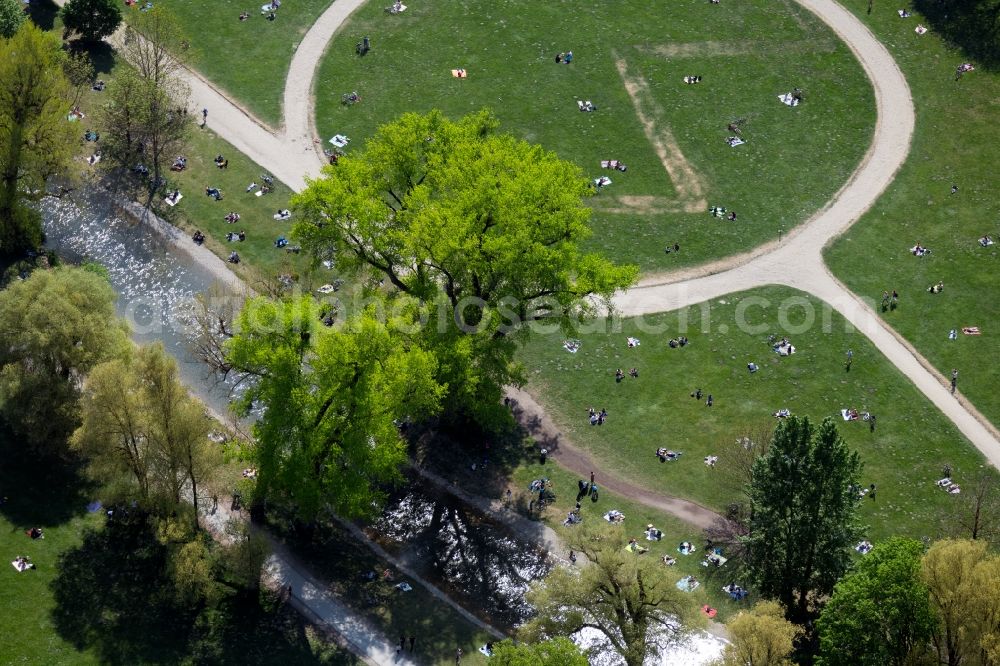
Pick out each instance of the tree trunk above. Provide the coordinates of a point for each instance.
(8, 190)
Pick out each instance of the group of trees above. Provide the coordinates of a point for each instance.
(904, 604)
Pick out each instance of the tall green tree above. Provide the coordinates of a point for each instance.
(482, 227)
(332, 399)
(144, 435)
(11, 17)
(559, 651)
(760, 637)
(622, 595)
(93, 20)
(962, 578)
(879, 613)
(141, 122)
(54, 327)
(79, 72)
(804, 500)
(36, 142)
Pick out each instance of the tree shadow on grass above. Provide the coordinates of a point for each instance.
(971, 25)
(43, 13)
(41, 492)
(114, 594)
(102, 55)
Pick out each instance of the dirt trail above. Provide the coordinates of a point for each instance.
(539, 425)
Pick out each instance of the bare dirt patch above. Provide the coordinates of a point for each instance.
(687, 182)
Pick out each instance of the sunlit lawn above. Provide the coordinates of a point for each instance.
(748, 53)
(903, 457)
(954, 144)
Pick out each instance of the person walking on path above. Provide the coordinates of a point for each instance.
(850, 359)
(204, 117)
(591, 478)
(954, 379)
(215, 503)
(413, 642)
(402, 645)
(458, 656)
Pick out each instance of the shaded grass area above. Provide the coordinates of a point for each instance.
(335, 557)
(747, 53)
(247, 59)
(101, 592)
(903, 457)
(53, 498)
(953, 144)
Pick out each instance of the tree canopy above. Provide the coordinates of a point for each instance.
(93, 20)
(481, 226)
(11, 17)
(760, 637)
(143, 434)
(962, 578)
(559, 651)
(880, 612)
(36, 142)
(332, 400)
(803, 525)
(54, 327)
(622, 595)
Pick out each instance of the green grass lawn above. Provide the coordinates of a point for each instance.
(748, 53)
(904, 457)
(953, 145)
(247, 59)
(55, 502)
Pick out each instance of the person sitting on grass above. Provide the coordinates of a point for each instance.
(653, 534)
(219, 159)
(198, 237)
(35, 533)
(244, 16)
(234, 258)
(936, 288)
(619, 375)
(634, 373)
(179, 164)
(986, 241)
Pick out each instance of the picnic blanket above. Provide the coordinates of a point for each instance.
(614, 516)
(282, 215)
(971, 330)
(340, 140)
(849, 415)
(459, 73)
(602, 181)
(688, 584)
(920, 30)
(734, 141)
(20, 565)
(784, 350)
(714, 558)
(632, 342)
(327, 289)
(788, 99)
(864, 547)
(403, 587)
(174, 202)
(572, 346)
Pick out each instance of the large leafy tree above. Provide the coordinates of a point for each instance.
(11, 17)
(143, 434)
(93, 20)
(332, 400)
(622, 595)
(54, 327)
(760, 637)
(36, 142)
(803, 502)
(879, 613)
(479, 225)
(559, 651)
(962, 578)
